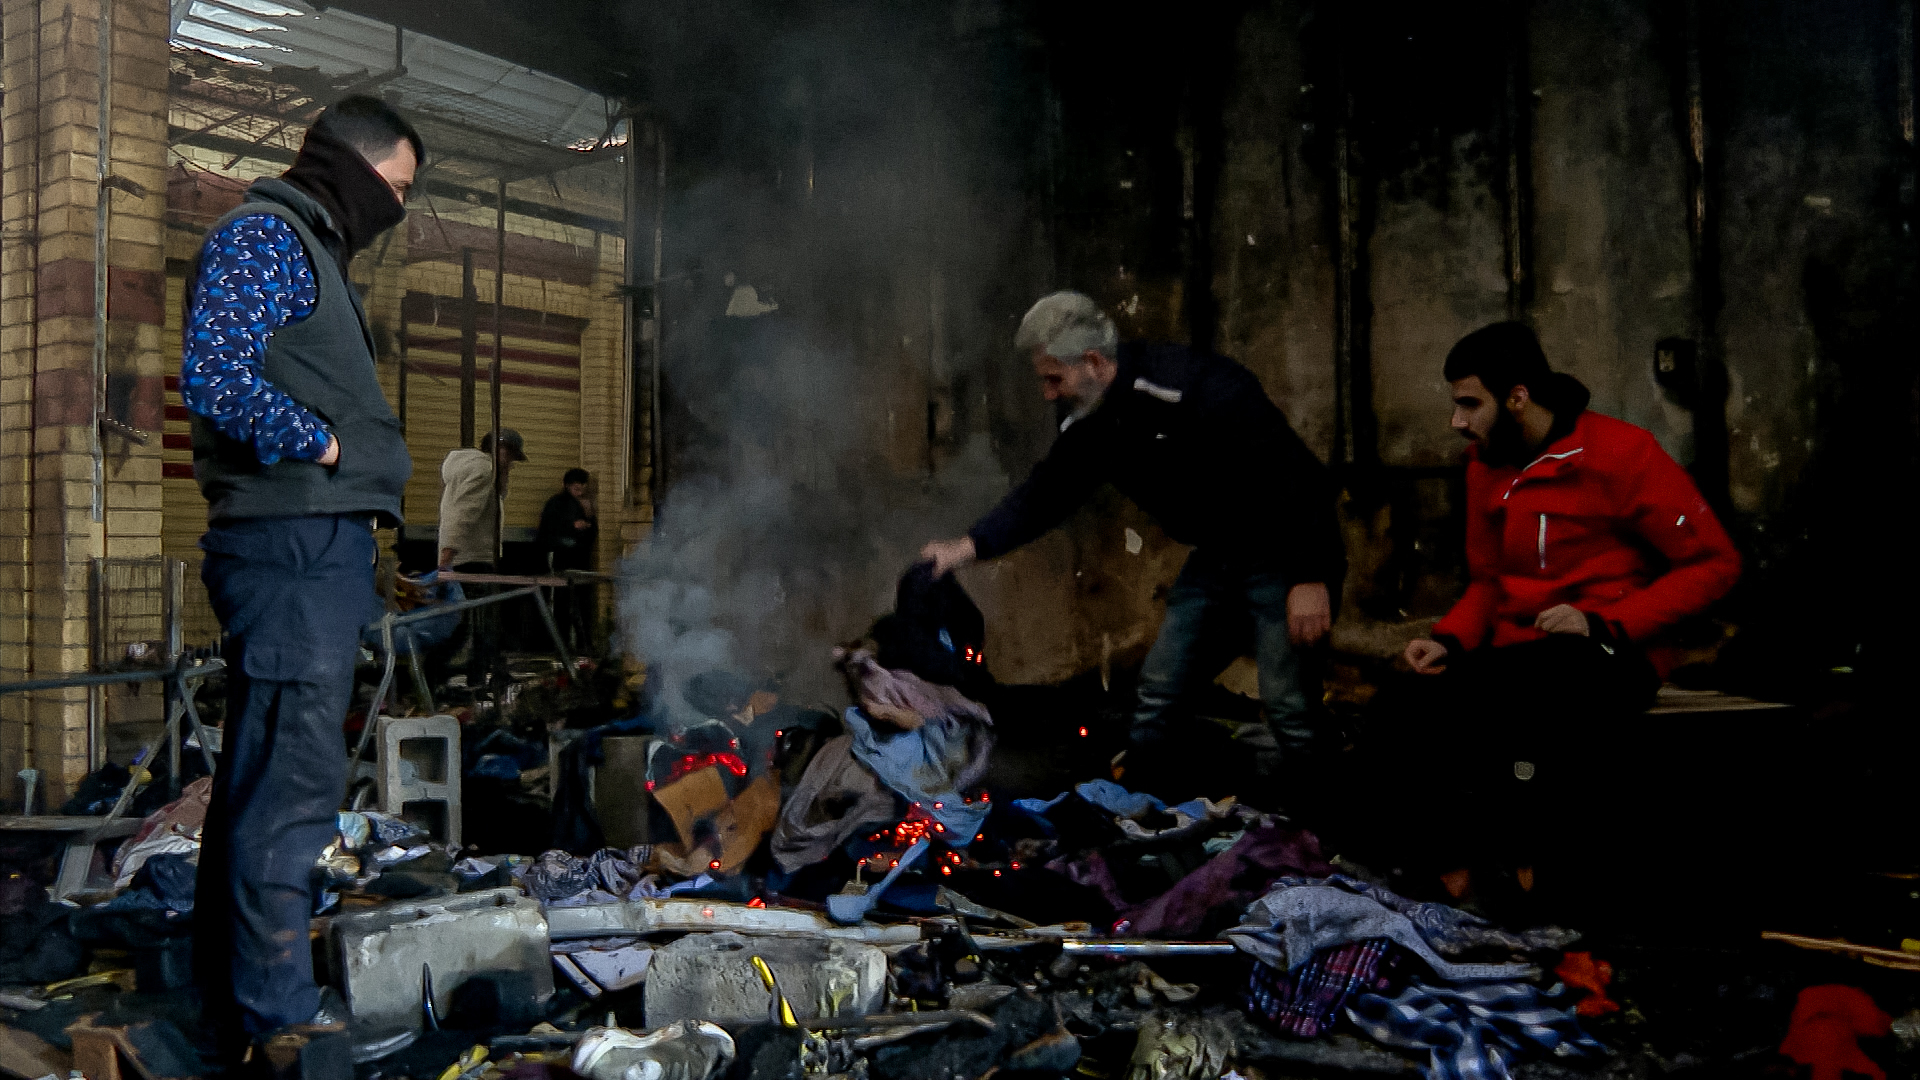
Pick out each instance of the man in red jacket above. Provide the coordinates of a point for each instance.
(1586, 543)
(1577, 523)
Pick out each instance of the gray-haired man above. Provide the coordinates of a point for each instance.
(1193, 440)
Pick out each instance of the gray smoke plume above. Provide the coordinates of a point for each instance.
(849, 243)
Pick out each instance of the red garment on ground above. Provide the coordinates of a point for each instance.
(1827, 1023)
(1582, 972)
(1603, 520)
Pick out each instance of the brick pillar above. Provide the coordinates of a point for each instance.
(49, 130)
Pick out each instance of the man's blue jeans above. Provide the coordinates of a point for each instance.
(291, 594)
(1209, 611)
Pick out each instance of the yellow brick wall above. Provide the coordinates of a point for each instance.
(47, 198)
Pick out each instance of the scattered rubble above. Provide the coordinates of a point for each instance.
(799, 894)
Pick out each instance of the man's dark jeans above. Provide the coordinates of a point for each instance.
(291, 594)
(1211, 609)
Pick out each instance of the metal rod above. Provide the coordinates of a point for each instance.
(110, 678)
(499, 308)
(657, 467)
(185, 694)
(1148, 948)
(553, 631)
(168, 691)
(103, 204)
(1343, 285)
(419, 670)
(373, 707)
(400, 394)
(468, 333)
(97, 647)
(176, 571)
(1517, 146)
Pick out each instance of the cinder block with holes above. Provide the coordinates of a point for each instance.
(419, 777)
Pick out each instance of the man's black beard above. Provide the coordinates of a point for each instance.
(1506, 444)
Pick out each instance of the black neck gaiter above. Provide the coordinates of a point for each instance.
(361, 202)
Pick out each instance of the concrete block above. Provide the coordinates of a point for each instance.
(497, 935)
(711, 977)
(419, 777)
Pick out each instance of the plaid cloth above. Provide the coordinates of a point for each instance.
(1473, 1032)
(1306, 1000)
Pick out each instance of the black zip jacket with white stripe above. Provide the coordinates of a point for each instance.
(1193, 440)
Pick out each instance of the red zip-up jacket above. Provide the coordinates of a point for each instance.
(1602, 519)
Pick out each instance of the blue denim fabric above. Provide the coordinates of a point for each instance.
(1208, 611)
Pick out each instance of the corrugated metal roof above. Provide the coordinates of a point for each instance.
(455, 84)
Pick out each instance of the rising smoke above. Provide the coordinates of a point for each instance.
(848, 238)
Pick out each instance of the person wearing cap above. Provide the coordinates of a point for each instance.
(300, 458)
(470, 531)
(1586, 546)
(469, 512)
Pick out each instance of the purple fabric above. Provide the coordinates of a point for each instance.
(903, 698)
(1230, 880)
(1306, 1000)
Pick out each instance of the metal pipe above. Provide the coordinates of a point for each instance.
(103, 201)
(1903, 39)
(499, 307)
(400, 395)
(1343, 283)
(468, 335)
(654, 459)
(110, 678)
(1710, 448)
(1147, 948)
(30, 578)
(553, 630)
(97, 651)
(1518, 256)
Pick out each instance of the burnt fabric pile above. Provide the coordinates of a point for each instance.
(915, 746)
(1405, 973)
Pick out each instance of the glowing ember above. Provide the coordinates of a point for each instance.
(693, 763)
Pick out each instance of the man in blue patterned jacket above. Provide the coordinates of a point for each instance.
(300, 459)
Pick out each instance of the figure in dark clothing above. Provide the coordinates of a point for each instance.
(299, 458)
(1586, 544)
(1194, 441)
(566, 538)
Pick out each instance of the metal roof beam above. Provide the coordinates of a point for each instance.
(222, 144)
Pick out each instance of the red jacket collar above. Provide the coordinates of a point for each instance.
(1561, 455)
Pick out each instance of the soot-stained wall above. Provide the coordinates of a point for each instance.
(863, 198)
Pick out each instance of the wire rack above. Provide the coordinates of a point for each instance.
(133, 605)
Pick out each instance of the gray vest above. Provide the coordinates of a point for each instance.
(324, 362)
